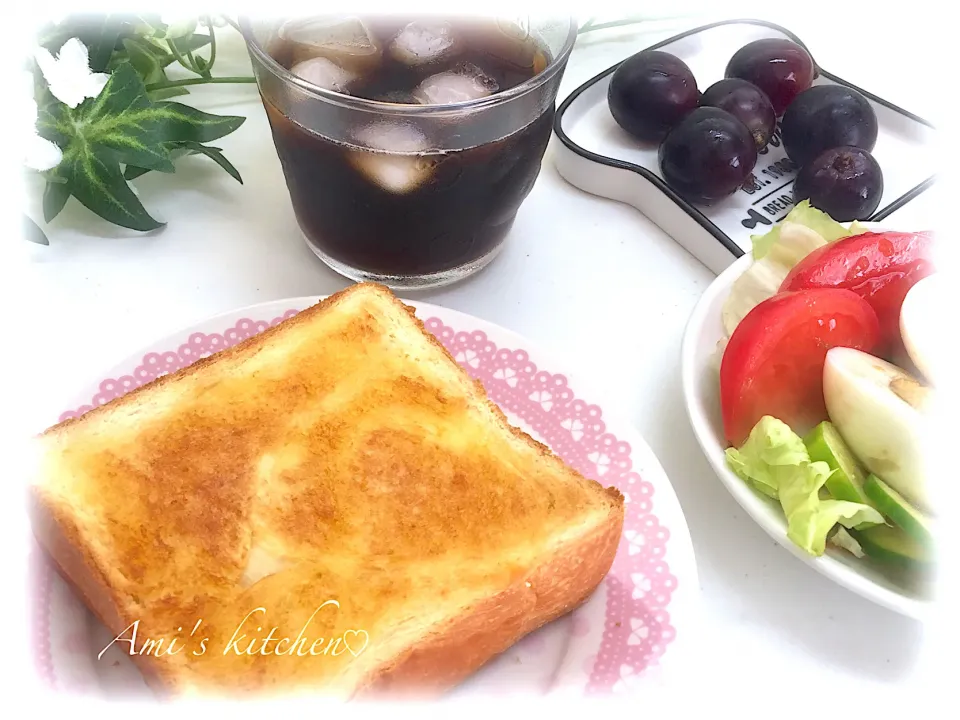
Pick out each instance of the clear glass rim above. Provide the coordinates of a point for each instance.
(383, 108)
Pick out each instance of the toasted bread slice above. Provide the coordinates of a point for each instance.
(332, 505)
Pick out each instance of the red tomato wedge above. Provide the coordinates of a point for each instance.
(879, 267)
(773, 363)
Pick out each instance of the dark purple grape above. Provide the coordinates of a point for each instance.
(747, 103)
(650, 93)
(845, 183)
(780, 68)
(824, 117)
(708, 155)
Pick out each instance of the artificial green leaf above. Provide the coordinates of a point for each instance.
(97, 182)
(149, 24)
(55, 196)
(191, 43)
(183, 123)
(158, 46)
(124, 119)
(101, 39)
(41, 91)
(117, 59)
(143, 61)
(155, 48)
(98, 32)
(192, 148)
(181, 28)
(52, 35)
(176, 152)
(169, 92)
(215, 154)
(132, 172)
(149, 64)
(121, 119)
(123, 126)
(33, 233)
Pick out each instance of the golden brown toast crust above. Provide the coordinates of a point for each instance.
(382, 493)
(458, 650)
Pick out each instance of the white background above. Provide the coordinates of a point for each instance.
(592, 282)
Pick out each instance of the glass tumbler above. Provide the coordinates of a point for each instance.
(402, 189)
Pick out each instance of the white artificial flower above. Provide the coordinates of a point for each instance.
(68, 75)
(218, 21)
(38, 153)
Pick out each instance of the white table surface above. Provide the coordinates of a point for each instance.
(591, 281)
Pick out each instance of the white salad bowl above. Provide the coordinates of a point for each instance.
(700, 376)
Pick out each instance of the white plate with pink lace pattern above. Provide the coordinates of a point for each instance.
(627, 637)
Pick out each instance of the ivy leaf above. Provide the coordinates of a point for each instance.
(41, 91)
(121, 119)
(122, 126)
(143, 61)
(164, 93)
(190, 43)
(132, 172)
(100, 33)
(96, 181)
(55, 196)
(101, 40)
(192, 148)
(150, 24)
(33, 233)
(182, 123)
(180, 27)
(149, 62)
(215, 154)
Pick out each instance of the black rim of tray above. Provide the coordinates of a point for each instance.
(687, 207)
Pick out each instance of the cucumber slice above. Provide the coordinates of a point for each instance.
(892, 504)
(824, 444)
(891, 544)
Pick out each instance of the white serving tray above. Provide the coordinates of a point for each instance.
(596, 155)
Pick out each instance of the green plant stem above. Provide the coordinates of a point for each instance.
(213, 45)
(232, 24)
(605, 26)
(180, 59)
(194, 65)
(200, 81)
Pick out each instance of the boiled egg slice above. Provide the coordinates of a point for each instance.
(921, 326)
(882, 413)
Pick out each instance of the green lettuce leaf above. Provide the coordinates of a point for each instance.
(764, 277)
(774, 460)
(808, 216)
(845, 541)
(770, 454)
(775, 254)
(810, 519)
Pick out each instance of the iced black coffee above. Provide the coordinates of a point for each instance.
(408, 144)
